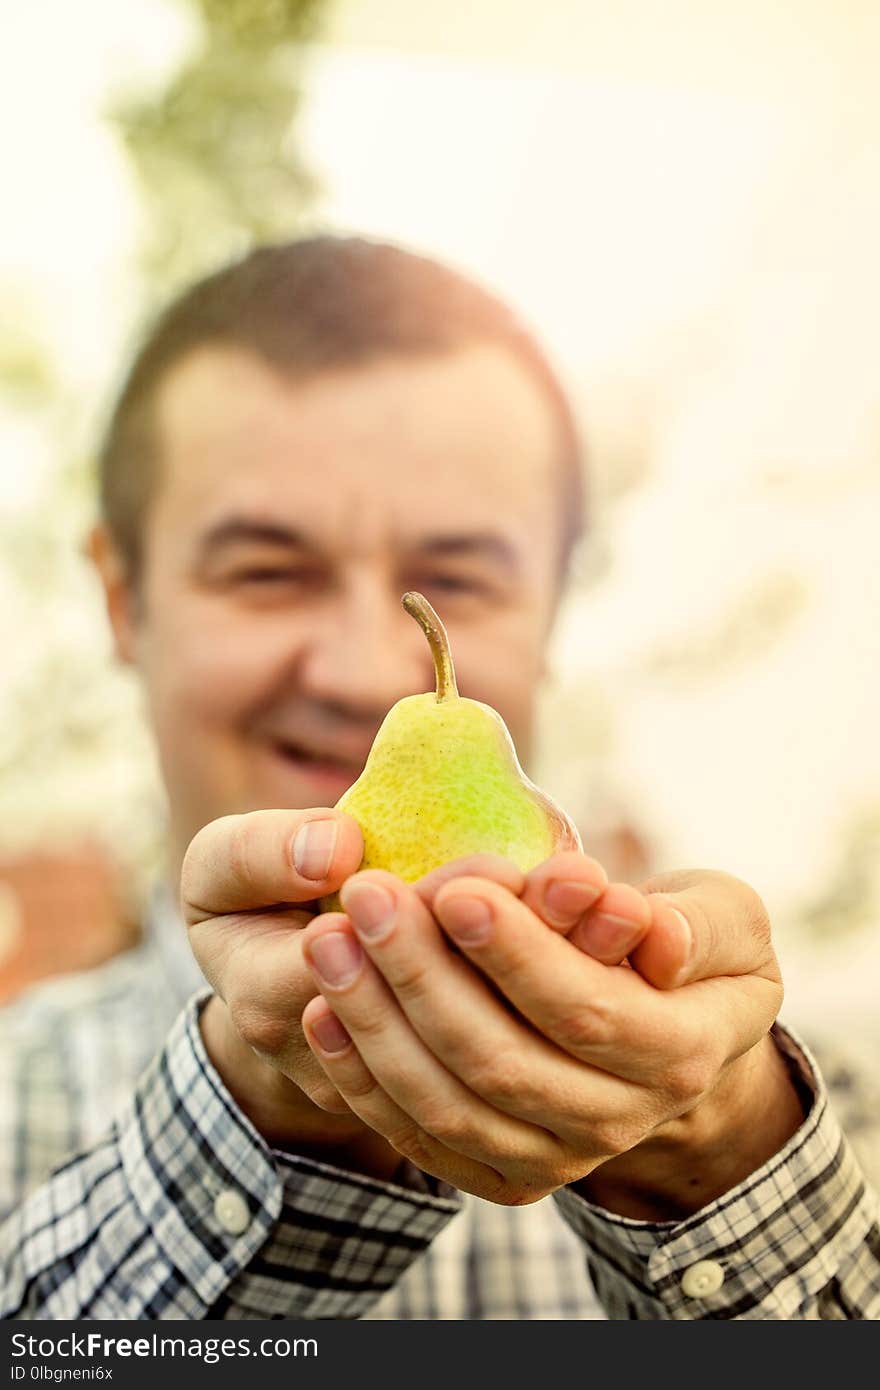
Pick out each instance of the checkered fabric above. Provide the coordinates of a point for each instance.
(131, 1225)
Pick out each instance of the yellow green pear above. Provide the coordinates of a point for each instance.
(443, 780)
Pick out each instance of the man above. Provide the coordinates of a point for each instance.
(304, 437)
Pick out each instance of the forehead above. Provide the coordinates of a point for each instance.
(461, 436)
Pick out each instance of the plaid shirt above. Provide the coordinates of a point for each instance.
(178, 1209)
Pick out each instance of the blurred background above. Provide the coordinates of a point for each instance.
(684, 198)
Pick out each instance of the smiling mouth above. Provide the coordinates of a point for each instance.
(317, 761)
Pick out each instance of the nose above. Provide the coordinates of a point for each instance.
(364, 652)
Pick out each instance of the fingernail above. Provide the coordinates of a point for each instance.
(468, 920)
(566, 899)
(313, 846)
(608, 936)
(370, 908)
(330, 1033)
(336, 956)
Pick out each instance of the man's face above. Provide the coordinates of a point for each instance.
(288, 520)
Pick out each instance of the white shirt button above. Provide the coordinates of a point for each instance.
(703, 1278)
(232, 1211)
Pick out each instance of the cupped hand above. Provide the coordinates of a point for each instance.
(515, 1063)
(249, 884)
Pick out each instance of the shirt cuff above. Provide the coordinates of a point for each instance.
(767, 1249)
(341, 1241)
(257, 1234)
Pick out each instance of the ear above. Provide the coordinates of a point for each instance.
(119, 593)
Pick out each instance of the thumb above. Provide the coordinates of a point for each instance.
(704, 924)
(266, 858)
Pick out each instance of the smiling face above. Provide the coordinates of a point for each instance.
(290, 516)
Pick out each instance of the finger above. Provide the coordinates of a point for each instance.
(614, 925)
(461, 1019)
(562, 888)
(491, 866)
(345, 1069)
(406, 1070)
(266, 857)
(596, 1015)
(708, 925)
(674, 1042)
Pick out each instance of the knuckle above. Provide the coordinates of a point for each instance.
(445, 1123)
(500, 1079)
(371, 1024)
(516, 960)
(326, 1097)
(360, 1084)
(408, 978)
(411, 1140)
(611, 1136)
(688, 1080)
(592, 1026)
(267, 1033)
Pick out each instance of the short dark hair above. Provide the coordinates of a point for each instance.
(310, 305)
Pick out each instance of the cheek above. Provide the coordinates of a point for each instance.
(204, 667)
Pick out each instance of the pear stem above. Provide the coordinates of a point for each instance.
(419, 608)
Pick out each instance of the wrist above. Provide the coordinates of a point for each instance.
(281, 1112)
(691, 1161)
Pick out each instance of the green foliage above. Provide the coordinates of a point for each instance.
(260, 24)
(214, 151)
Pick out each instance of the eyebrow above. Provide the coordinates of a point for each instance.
(243, 531)
(239, 530)
(479, 544)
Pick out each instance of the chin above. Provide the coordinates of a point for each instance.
(301, 782)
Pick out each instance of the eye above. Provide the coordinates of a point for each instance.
(271, 574)
(272, 584)
(265, 576)
(452, 583)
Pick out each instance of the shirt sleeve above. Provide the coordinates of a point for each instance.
(182, 1211)
(797, 1240)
